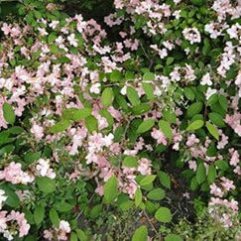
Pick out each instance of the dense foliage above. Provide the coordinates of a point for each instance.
(120, 120)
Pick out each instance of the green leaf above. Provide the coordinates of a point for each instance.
(195, 125)
(7, 149)
(147, 180)
(130, 161)
(145, 126)
(73, 236)
(39, 214)
(76, 114)
(30, 157)
(173, 237)
(166, 128)
(63, 206)
(81, 235)
(96, 211)
(119, 132)
(198, 2)
(138, 197)
(54, 217)
(223, 102)
(107, 97)
(115, 76)
(149, 90)
(212, 130)
(216, 119)
(111, 189)
(15, 130)
(169, 60)
(213, 99)
(156, 194)
(211, 174)
(8, 113)
(12, 198)
(194, 109)
(141, 234)
(188, 92)
(60, 126)
(148, 76)
(30, 238)
(169, 116)
(222, 165)
(91, 123)
(106, 114)
(141, 109)
(133, 96)
(45, 184)
(164, 179)
(163, 214)
(201, 173)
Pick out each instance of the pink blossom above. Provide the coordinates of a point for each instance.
(13, 173)
(192, 165)
(37, 131)
(144, 166)
(192, 35)
(159, 136)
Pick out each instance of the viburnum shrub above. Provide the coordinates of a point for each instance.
(135, 113)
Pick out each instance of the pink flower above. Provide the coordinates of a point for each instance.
(6, 28)
(192, 140)
(192, 35)
(227, 184)
(21, 221)
(144, 166)
(234, 161)
(13, 173)
(37, 131)
(216, 191)
(159, 136)
(192, 165)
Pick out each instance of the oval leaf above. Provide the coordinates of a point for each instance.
(163, 214)
(145, 126)
(8, 113)
(195, 125)
(107, 97)
(111, 189)
(212, 130)
(140, 234)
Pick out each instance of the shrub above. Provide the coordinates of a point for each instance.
(129, 119)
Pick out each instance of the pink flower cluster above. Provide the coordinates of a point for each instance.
(61, 233)
(13, 173)
(13, 224)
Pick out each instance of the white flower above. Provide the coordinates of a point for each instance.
(37, 131)
(43, 169)
(238, 79)
(7, 235)
(3, 198)
(54, 24)
(59, 40)
(108, 139)
(177, 14)
(64, 226)
(157, 91)
(210, 92)
(124, 90)
(163, 53)
(206, 80)
(42, 32)
(72, 40)
(192, 35)
(95, 88)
